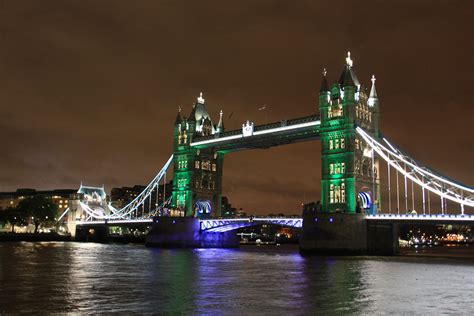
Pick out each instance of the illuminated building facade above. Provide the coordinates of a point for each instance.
(61, 197)
(197, 180)
(350, 180)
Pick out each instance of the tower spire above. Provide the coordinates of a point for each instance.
(373, 97)
(324, 82)
(349, 61)
(200, 99)
(220, 125)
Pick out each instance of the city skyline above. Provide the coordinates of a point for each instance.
(93, 97)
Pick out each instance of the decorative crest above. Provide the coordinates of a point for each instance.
(349, 61)
(373, 79)
(324, 72)
(200, 99)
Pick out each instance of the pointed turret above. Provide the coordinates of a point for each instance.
(373, 97)
(178, 117)
(220, 125)
(348, 81)
(348, 76)
(324, 82)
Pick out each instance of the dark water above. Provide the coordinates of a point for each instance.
(87, 277)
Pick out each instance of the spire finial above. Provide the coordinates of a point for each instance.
(200, 99)
(349, 61)
(179, 109)
(220, 113)
(324, 72)
(373, 93)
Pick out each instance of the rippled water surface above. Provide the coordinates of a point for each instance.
(87, 277)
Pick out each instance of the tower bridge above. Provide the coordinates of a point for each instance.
(351, 215)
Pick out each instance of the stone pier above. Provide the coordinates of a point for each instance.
(185, 232)
(346, 234)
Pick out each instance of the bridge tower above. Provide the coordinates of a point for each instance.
(350, 178)
(197, 176)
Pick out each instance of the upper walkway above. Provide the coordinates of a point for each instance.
(262, 136)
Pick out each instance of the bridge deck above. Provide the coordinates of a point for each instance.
(222, 225)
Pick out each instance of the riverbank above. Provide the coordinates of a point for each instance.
(34, 237)
(31, 237)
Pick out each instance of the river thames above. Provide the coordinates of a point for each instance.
(63, 277)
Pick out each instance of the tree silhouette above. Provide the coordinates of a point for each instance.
(41, 210)
(13, 216)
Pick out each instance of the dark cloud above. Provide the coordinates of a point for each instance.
(89, 89)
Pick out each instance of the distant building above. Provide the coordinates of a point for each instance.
(312, 207)
(120, 197)
(227, 209)
(61, 197)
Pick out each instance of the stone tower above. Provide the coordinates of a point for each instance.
(197, 179)
(349, 176)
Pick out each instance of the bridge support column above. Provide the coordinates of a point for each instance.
(185, 232)
(92, 233)
(382, 238)
(347, 234)
(334, 234)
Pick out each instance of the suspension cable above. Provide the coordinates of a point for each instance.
(424, 207)
(389, 190)
(398, 194)
(406, 189)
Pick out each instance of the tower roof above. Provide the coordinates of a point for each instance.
(199, 111)
(348, 76)
(178, 117)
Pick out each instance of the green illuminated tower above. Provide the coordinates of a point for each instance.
(349, 179)
(197, 179)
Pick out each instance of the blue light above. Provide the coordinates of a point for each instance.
(366, 199)
(315, 219)
(157, 221)
(174, 221)
(331, 219)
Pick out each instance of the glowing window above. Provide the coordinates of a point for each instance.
(331, 193)
(214, 167)
(206, 165)
(196, 164)
(331, 145)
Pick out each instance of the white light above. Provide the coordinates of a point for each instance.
(200, 99)
(380, 150)
(267, 131)
(349, 61)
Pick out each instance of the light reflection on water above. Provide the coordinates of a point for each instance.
(88, 277)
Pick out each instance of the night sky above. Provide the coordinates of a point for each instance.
(89, 90)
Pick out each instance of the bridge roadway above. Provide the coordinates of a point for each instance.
(228, 224)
